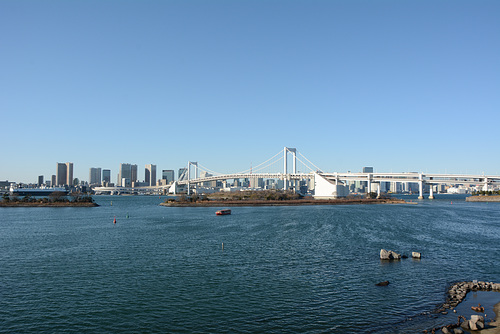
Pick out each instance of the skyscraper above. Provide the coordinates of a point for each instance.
(95, 176)
(150, 175)
(133, 173)
(40, 180)
(64, 174)
(168, 174)
(69, 169)
(53, 181)
(125, 172)
(106, 175)
(61, 174)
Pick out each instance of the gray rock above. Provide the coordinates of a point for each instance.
(389, 255)
(445, 330)
(472, 325)
(416, 255)
(384, 255)
(458, 331)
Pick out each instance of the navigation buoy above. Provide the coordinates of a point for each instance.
(114, 221)
(451, 203)
(127, 215)
(111, 203)
(222, 246)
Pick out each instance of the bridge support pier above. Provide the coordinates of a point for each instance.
(378, 190)
(421, 186)
(431, 192)
(420, 190)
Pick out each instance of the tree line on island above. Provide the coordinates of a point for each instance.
(55, 197)
(260, 195)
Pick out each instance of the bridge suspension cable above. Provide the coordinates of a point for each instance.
(258, 167)
(312, 170)
(209, 170)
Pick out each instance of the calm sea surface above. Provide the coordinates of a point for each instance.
(307, 269)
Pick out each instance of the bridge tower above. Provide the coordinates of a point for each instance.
(195, 164)
(294, 164)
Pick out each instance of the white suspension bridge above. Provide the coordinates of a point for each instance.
(326, 185)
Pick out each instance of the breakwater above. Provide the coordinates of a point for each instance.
(494, 198)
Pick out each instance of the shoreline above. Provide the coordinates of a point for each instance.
(495, 329)
(483, 198)
(299, 202)
(48, 205)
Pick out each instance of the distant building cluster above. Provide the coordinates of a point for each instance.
(127, 178)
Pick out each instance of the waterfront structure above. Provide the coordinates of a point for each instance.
(150, 175)
(168, 175)
(106, 175)
(64, 175)
(95, 176)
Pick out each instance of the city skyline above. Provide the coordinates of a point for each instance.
(400, 86)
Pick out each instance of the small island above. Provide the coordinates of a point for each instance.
(54, 200)
(484, 196)
(271, 198)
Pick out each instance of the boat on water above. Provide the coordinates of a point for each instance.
(223, 212)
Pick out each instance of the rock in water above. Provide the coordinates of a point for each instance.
(389, 255)
(384, 283)
(384, 255)
(416, 255)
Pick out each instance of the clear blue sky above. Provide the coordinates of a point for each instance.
(394, 84)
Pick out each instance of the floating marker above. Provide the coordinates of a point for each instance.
(127, 215)
(114, 221)
(222, 246)
(111, 203)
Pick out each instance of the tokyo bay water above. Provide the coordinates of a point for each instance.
(306, 269)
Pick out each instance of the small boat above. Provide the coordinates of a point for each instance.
(223, 212)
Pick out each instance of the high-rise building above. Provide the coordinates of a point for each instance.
(95, 176)
(64, 175)
(133, 173)
(125, 172)
(367, 169)
(168, 174)
(69, 168)
(106, 175)
(150, 175)
(53, 181)
(40, 180)
(61, 174)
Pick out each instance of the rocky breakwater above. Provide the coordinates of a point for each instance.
(458, 291)
(455, 295)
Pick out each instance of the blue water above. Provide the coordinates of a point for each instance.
(307, 269)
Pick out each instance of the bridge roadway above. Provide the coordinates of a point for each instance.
(370, 178)
(373, 177)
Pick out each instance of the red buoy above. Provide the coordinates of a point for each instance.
(114, 221)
